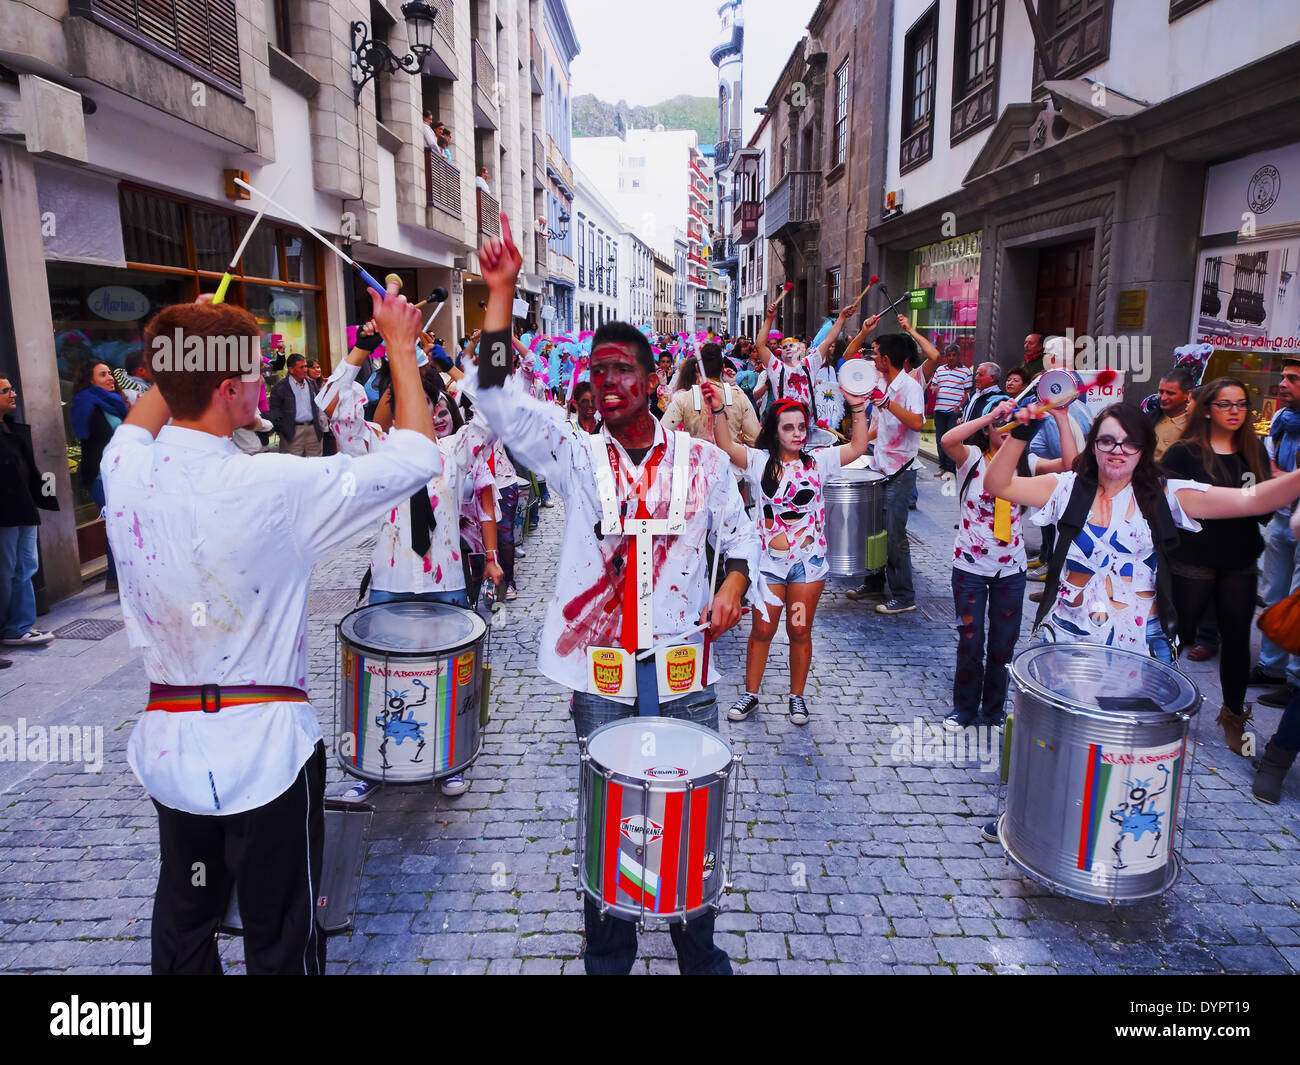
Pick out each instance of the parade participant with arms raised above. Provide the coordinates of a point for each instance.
(618, 592)
(787, 481)
(217, 550)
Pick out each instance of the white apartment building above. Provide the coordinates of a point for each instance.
(597, 236)
(635, 289)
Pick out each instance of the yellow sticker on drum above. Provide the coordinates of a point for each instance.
(679, 670)
(610, 672)
(464, 668)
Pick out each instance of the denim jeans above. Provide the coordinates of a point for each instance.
(611, 942)
(943, 421)
(451, 598)
(506, 533)
(17, 568)
(1281, 575)
(979, 685)
(898, 565)
(1287, 735)
(97, 494)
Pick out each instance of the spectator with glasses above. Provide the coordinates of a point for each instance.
(1216, 567)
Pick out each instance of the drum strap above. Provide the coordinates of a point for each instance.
(1164, 535)
(812, 393)
(697, 394)
(210, 698)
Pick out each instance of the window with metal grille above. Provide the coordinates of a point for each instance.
(203, 33)
(833, 292)
(841, 114)
(582, 252)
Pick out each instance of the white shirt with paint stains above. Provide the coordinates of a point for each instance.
(394, 565)
(587, 609)
(215, 551)
(896, 445)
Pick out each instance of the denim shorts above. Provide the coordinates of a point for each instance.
(590, 711)
(796, 574)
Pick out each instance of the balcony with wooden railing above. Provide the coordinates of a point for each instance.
(744, 220)
(485, 87)
(539, 163)
(794, 203)
(540, 246)
(563, 268)
(557, 165)
(489, 214)
(442, 182)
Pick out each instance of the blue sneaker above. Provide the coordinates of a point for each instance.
(454, 786)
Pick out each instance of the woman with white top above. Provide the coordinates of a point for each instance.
(787, 482)
(1114, 590)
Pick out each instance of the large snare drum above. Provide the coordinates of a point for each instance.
(652, 818)
(412, 680)
(1098, 748)
(856, 539)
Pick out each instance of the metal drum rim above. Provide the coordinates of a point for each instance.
(616, 776)
(1174, 865)
(1056, 701)
(454, 649)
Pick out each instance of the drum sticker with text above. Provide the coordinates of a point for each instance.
(1129, 806)
(608, 671)
(680, 664)
(641, 830)
(665, 772)
(709, 862)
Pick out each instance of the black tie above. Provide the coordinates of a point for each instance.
(422, 521)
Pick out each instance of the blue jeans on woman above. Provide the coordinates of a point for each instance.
(97, 494)
(18, 562)
(979, 684)
(611, 942)
(1287, 735)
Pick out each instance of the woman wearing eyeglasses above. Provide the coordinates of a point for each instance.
(1217, 565)
(1108, 590)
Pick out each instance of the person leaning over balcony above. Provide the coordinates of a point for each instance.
(426, 127)
(482, 181)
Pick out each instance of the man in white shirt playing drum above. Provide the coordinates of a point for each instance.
(620, 593)
(217, 549)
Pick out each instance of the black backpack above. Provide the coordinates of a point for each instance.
(1164, 537)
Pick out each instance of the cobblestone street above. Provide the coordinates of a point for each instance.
(847, 859)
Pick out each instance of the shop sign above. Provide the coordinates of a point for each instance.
(117, 303)
(949, 260)
(1132, 309)
(1253, 192)
(920, 299)
(284, 309)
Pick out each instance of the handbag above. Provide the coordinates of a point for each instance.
(1281, 623)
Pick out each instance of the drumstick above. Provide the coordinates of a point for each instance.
(434, 315)
(873, 280)
(786, 289)
(1102, 377)
(895, 303)
(438, 295)
(365, 276)
(226, 278)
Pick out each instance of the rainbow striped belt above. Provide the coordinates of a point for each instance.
(210, 698)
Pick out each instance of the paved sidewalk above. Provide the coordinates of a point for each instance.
(849, 860)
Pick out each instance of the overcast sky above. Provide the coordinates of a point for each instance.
(645, 53)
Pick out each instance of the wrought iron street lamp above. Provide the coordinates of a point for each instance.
(370, 57)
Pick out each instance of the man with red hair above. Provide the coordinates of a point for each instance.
(215, 549)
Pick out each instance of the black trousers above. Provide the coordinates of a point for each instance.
(271, 854)
(1232, 595)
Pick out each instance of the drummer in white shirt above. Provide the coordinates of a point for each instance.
(603, 602)
(216, 550)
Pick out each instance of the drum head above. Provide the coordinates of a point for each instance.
(1052, 384)
(858, 377)
(1100, 680)
(659, 749)
(850, 475)
(412, 628)
(819, 437)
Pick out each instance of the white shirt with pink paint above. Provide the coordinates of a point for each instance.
(797, 509)
(896, 445)
(395, 566)
(215, 551)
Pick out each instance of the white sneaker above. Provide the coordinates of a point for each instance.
(30, 638)
(453, 786)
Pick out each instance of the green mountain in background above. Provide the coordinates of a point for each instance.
(595, 118)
